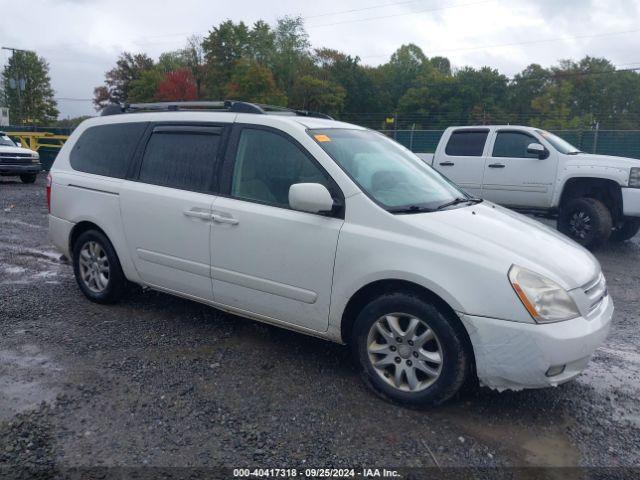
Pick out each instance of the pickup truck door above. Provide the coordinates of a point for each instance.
(462, 158)
(514, 177)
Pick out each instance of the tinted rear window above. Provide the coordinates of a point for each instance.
(184, 160)
(106, 149)
(467, 143)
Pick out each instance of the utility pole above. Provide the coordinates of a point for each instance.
(595, 137)
(18, 83)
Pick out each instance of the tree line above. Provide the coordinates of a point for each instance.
(276, 64)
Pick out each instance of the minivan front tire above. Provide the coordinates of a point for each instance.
(97, 268)
(409, 351)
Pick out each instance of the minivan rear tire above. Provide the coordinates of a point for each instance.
(447, 338)
(114, 288)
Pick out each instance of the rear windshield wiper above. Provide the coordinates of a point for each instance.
(459, 200)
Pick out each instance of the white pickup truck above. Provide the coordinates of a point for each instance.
(595, 198)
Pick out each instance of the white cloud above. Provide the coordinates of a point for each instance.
(81, 39)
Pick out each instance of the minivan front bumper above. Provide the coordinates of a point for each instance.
(514, 355)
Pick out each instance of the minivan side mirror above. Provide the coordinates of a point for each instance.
(537, 149)
(310, 197)
(18, 144)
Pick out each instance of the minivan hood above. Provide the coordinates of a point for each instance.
(504, 237)
(587, 159)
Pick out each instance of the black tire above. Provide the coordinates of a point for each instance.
(627, 231)
(586, 220)
(28, 177)
(116, 282)
(451, 339)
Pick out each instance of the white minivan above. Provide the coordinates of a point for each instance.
(328, 229)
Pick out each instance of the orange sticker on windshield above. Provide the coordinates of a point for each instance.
(322, 138)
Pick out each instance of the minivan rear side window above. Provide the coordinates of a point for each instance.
(466, 143)
(181, 157)
(106, 149)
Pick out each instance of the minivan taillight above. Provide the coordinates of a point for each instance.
(49, 192)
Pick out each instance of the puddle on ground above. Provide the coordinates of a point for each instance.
(24, 224)
(614, 373)
(14, 270)
(26, 265)
(528, 446)
(24, 376)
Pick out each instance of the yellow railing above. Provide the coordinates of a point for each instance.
(36, 140)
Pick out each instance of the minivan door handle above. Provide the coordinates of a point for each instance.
(224, 219)
(496, 165)
(205, 215)
(447, 164)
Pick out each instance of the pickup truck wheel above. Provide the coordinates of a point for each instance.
(409, 351)
(97, 268)
(586, 220)
(628, 230)
(28, 177)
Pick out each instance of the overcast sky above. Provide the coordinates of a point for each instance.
(81, 39)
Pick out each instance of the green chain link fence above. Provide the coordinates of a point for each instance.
(621, 143)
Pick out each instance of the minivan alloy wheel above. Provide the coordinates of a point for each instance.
(404, 351)
(94, 267)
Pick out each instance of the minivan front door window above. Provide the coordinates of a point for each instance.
(267, 164)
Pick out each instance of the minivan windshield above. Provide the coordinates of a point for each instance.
(6, 141)
(558, 143)
(387, 172)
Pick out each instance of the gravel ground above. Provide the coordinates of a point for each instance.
(161, 381)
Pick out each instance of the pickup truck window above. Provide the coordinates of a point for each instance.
(466, 143)
(558, 143)
(6, 141)
(387, 172)
(513, 145)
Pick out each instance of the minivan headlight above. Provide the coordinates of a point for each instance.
(544, 299)
(634, 177)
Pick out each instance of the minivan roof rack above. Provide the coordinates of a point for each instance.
(221, 106)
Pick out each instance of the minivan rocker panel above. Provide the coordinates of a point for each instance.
(427, 293)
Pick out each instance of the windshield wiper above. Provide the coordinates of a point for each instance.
(410, 209)
(459, 200)
(574, 152)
